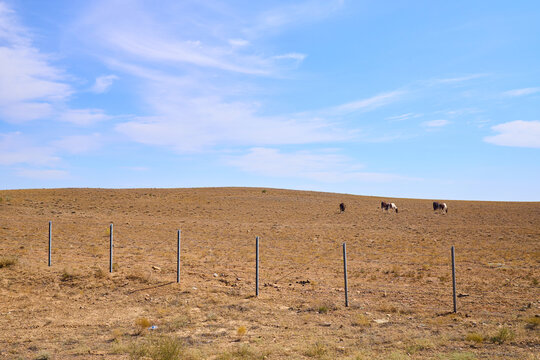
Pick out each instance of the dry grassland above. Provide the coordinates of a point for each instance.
(400, 284)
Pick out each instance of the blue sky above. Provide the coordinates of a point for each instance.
(423, 99)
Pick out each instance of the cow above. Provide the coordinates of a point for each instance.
(389, 206)
(440, 206)
(341, 207)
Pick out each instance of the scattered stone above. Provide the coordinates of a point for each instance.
(215, 275)
(156, 268)
(381, 321)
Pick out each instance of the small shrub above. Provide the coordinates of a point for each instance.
(243, 352)
(142, 324)
(99, 273)
(361, 320)
(503, 335)
(6, 261)
(67, 275)
(534, 282)
(316, 350)
(323, 309)
(475, 337)
(419, 345)
(458, 356)
(532, 322)
(264, 191)
(241, 331)
(178, 322)
(44, 356)
(166, 348)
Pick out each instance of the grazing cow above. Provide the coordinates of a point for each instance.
(342, 207)
(440, 206)
(389, 206)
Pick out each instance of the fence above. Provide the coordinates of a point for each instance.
(451, 264)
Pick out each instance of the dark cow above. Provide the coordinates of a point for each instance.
(342, 207)
(440, 206)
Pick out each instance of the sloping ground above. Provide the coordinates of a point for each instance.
(400, 283)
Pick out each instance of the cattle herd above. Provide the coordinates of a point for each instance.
(388, 206)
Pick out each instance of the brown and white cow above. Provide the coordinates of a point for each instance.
(440, 206)
(388, 206)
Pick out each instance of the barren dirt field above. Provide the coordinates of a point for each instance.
(399, 268)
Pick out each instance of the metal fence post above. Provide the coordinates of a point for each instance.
(454, 278)
(178, 259)
(50, 241)
(111, 249)
(257, 266)
(345, 274)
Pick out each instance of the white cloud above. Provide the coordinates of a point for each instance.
(78, 144)
(368, 104)
(403, 117)
(457, 80)
(292, 14)
(29, 82)
(291, 56)
(43, 174)
(238, 42)
(521, 92)
(103, 83)
(83, 116)
(516, 133)
(435, 123)
(15, 148)
(327, 167)
(200, 124)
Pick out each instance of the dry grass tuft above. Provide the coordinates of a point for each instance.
(241, 331)
(317, 350)
(532, 322)
(67, 275)
(6, 261)
(475, 337)
(503, 335)
(159, 348)
(361, 320)
(142, 324)
(243, 352)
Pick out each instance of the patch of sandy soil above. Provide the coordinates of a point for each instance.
(400, 280)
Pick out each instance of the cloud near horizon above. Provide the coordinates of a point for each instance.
(516, 133)
(324, 166)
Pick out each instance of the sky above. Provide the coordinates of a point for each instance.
(417, 99)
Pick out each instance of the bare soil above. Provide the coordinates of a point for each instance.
(399, 268)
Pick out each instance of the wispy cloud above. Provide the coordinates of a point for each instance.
(29, 82)
(201, 124)
(83, 116)
(521, 92)
(292, 14)
(457, 79)
(322, 166)
(403, 117)
(516, 133)
(78, 144)
(15, 148)
(435, 123)
(370, 103)
(103, 83)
